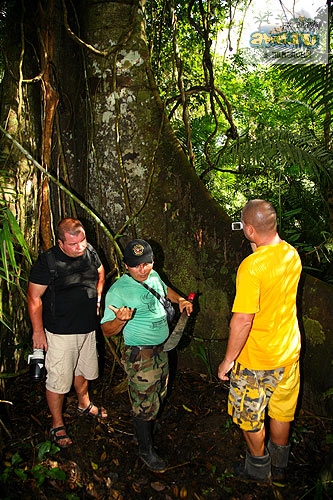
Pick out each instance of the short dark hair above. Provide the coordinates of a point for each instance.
(69, 225)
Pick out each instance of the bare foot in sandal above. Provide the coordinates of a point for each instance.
(94, 411)
(60, 438)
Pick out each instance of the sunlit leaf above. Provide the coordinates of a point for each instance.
(3, 255)
(16, 230)
(9, 244)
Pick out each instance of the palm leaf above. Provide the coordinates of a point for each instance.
(3, 255)
(8, 247)
(279, 147)
(17, 233)
(314, 81)
(10, 233)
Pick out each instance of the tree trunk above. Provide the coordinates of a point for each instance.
(19, 106)
(138, 178)
(316, 320)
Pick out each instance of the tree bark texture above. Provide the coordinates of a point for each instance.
(316, 322)
(139, 179)
(19, 105)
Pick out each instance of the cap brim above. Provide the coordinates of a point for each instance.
(139, 260)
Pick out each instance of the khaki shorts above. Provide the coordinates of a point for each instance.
(69, 355)
(252, 391)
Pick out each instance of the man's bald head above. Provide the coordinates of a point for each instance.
(261, 215)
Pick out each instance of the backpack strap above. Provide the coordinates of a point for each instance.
(52, 265)
(94, 255)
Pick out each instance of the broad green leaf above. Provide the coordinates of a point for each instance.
(21, 474)
(16, 459)
(56, 473)
(43, 449)
(16, 230)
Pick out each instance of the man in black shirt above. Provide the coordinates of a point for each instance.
(63, 305)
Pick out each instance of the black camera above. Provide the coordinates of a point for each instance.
(36, 362)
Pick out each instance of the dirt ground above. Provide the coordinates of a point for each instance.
(195, 435)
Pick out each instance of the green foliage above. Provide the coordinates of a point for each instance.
(329, 394)
(315, 82)
(185, 25)
(282, 114)
(291, 169)
(40, 472)
(10, 235)
(12, 241)
(13, 247)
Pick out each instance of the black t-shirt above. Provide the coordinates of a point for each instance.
(72, 307)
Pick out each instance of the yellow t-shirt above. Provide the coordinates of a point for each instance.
(266, 285)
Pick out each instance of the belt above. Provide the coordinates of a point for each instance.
(143, 347)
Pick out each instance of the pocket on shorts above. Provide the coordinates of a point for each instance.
(55, 368)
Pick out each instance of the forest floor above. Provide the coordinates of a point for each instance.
(196, 437)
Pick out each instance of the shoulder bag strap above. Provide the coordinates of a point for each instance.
(157, 295)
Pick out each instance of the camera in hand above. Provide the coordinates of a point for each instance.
(36, 361)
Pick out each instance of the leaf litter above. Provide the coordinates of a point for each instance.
(194, 434)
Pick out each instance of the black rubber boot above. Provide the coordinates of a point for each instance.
(279, 456)
(144, 434)
(258, 468)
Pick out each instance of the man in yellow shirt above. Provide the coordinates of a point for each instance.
(264, 344)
